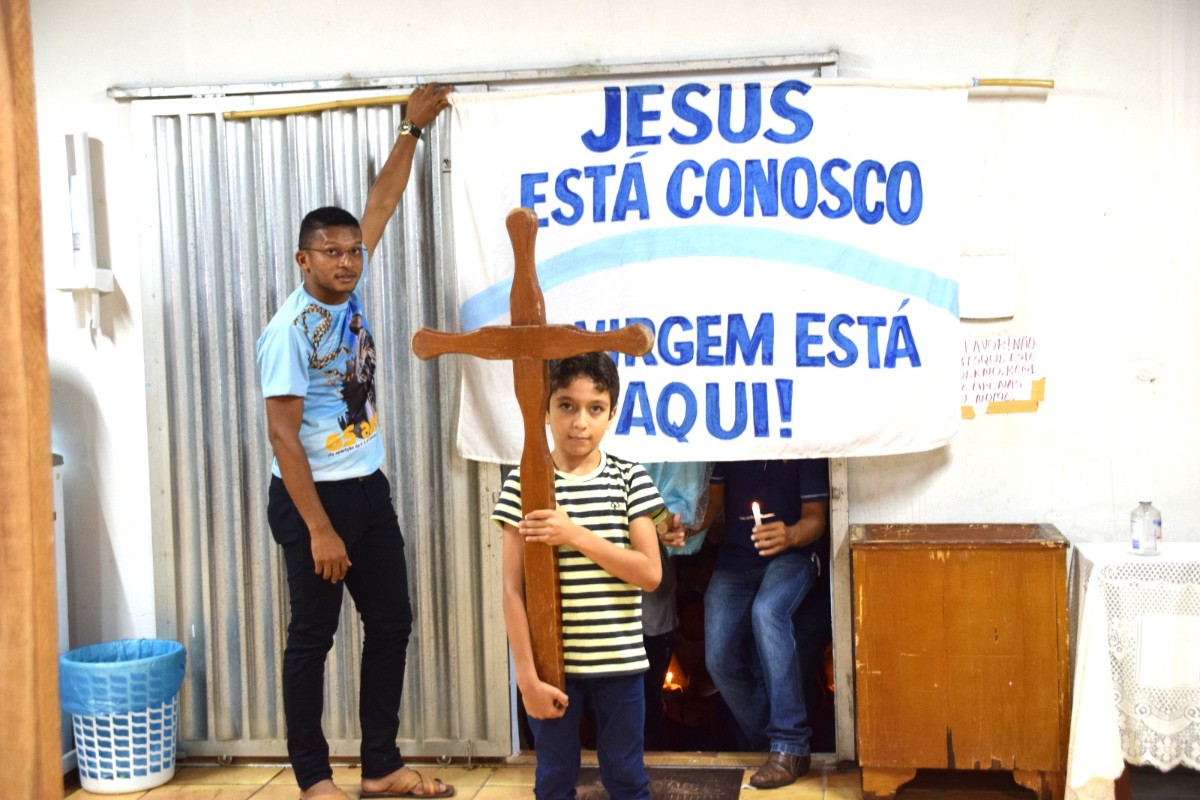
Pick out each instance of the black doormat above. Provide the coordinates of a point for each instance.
(673, 783)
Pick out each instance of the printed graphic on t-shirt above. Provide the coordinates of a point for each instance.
(348, 366)
(358, 382)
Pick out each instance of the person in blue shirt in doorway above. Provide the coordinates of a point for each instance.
(775, 515)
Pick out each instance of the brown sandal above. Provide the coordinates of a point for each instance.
(408, 782)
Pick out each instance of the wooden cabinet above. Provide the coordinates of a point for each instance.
(961, 660)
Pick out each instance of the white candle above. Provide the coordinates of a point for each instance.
(757, 513)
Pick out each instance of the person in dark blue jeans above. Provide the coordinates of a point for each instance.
(765, 568)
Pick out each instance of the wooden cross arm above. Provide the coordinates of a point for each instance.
(532, 341)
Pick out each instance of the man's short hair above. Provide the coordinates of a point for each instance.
(325, 217)
(598, 366)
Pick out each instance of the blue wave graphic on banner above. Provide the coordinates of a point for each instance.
(717, 241)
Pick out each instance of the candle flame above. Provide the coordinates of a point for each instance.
(675, 678)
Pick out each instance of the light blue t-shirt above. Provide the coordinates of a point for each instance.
(326, 355)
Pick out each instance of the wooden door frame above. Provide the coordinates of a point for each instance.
(31, 760)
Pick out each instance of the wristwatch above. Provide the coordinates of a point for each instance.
(408, 129)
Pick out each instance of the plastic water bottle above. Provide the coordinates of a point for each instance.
(1145, 527)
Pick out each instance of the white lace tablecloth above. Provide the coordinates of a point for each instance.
(1136, 694)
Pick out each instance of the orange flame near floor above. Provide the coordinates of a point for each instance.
(675, 678)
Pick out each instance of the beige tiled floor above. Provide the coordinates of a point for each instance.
(490, 781)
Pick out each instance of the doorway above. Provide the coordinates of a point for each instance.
(694, 715)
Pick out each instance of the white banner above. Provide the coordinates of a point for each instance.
(788, 245)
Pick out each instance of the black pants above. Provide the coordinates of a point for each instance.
(362, 513)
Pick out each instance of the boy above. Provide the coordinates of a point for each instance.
(329, 504)
(604, 529)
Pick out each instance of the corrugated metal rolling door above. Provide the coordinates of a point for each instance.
(230, 196)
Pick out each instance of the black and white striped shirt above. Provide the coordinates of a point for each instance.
(602, 614)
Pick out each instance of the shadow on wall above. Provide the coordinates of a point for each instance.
(94, 588)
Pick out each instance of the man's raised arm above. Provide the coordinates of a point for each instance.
(424, 104)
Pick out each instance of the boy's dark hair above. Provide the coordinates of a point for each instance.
(325, 217)
(598, 366)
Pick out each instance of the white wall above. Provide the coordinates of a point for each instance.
(1093, 186)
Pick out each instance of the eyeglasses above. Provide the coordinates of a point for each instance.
(336, 253)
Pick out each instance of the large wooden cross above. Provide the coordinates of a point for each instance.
(529, 342)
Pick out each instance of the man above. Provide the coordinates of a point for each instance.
(329, 504)
(768, 559)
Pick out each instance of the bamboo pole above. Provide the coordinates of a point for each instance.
(1018, 83)
(313, 108)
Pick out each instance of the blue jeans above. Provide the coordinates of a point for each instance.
(750, 648)
(620, 707)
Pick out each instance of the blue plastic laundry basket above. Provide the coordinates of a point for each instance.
(124, 700)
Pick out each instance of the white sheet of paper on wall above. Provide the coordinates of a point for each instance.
(987, 286)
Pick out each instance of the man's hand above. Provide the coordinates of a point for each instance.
(548, 527)
(544, 701)
(330, 560)
(426, 102)
(772, 538)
